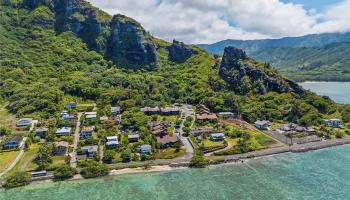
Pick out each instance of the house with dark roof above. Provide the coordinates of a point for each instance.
(166, 141)
(64, 131)
(24, 122)
(133, 137)
(61, 147)
(41, 132)
(170, 111)
(14, 142)
(206, 117)
(146, 149)
(86, 132)
(90, 150)
(151, 111)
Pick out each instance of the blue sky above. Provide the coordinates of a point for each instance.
(208, 21)
(317, 4)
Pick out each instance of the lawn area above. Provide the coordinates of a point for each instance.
(6, 159)
(211, 144)
(169, 153)
(167, 118)
(26, 160)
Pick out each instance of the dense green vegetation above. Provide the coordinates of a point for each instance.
(64, 172)
(42, 69)
(18, 179)
(312, 57)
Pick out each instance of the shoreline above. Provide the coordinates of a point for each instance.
(229, 160)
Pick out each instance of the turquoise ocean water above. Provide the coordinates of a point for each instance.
(323, 174)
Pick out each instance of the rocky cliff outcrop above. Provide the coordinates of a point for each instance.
(179, 52)
(245, 75)
(130, 45)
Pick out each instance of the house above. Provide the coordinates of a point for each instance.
(133, 138)
(112, 142)
(15, 142)
(262, 125)
(159, 128)
(24, 122)
(170, 111)
(64, 131)
(61, 148)
(90, 115)
(68, 117)
(115, 111)
(291, 127)
(334, 123)
(146, 149)
(71, 105)
(86, 132)
(217, 137)
(206, 117)
(38, 173)
(103, 119)
(227, 115)
(41, 132)
(310, 131)
(202, 109)
(151, 111)
(166, 140)
(90, 150)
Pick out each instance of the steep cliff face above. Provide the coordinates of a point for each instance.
(179, 52)
(246, 75)
(130, 45)
(120, 39)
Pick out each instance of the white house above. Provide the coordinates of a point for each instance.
(146, 149)
(217, 137)
(24, 122)
(112, 142)
(262, 125)
(64, 131)
(335, 123)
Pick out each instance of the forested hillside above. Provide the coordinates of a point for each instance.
(55, 51)
(312, 57)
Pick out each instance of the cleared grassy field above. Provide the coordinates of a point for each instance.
(169, 153)
(25, 163)
(6, 118)
(6, 158)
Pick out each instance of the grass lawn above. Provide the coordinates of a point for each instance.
(211, 144)
(169, 153)
(6, 118)
(58, 160)
(6, 159)
(167, 118)
(27, 159)
(117, 158)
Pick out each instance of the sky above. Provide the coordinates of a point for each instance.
(209, 21)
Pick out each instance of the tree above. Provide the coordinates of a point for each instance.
(64, 172)
(108, 156)
(18, 179)
(126, 155)
(198, 160)
(94, 169)
(44, 156)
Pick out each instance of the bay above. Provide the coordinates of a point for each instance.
(338, 91)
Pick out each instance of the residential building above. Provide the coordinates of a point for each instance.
(90, 115)
(217, 137)
(133, 137)
(90, 150)
(206, 117)
(159, 128)
(64, 131)
(335, 123)
(227, 115)
(14, 142)
(24, 122)
(38, 173)
(86, 132)
(202, 109)
(41, 132)
(170, 111)
(146, 149)
(166, 140)
(262, 125)
(61, 148)
(115, 111)
(103, 119)
(71, 105)
(151, 111)
(112, 142)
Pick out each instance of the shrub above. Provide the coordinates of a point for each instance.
(18, 179)
(94, 169)
(64, 172)
(198, 161)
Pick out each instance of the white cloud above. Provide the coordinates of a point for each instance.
(206, 21)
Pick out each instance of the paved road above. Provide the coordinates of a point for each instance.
(13, 164)
(73, 155)
(186, 111)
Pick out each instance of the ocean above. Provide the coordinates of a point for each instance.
(338, 91)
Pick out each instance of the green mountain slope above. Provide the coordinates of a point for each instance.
(313, 57)
(47, 60)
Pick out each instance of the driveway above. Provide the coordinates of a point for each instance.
(73, 155)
